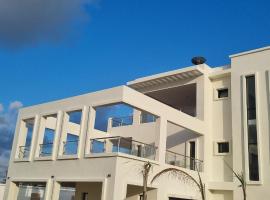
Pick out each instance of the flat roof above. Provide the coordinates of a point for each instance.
(250, 52)
(170, 76)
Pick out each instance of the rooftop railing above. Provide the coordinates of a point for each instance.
(45, 149)
(122, 121)
(24, 152)
(147, 118)
(122, 145)
(180, 160)
(70, 147)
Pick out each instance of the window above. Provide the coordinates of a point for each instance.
(25, 141)
(223, 93)
(251, 124)
(223, 147)
(85, 196)
(46, 135)
(192, 154)
(35, 191)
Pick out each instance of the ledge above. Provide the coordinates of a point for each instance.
(118, 154)
(221, 185)
(45, 158)
(21, 160)
(67, 157)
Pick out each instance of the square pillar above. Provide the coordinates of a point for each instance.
(161, 139)
(91, 127)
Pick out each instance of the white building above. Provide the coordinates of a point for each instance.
(94, 146)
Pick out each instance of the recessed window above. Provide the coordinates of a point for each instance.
(223, 147)
(223, 93)
(26, 134)
(251, 125)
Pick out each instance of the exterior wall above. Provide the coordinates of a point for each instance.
(222, 195)
(256, 62)
(85, 167)
(129, 172)
(217, 120)
(221, 130)
(2, 190)
(94, 190)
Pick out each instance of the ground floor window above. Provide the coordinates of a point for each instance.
(31, 191)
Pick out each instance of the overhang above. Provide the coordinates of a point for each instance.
(165, 78)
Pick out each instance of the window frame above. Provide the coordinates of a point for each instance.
(217, 153)
(216, 98)
(245, 127)
(56, 136)
(23, 120)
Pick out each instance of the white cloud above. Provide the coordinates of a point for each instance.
(15, 105)
(7, 127)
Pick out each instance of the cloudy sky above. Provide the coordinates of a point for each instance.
(56, 49)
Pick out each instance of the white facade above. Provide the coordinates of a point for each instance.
(2, 190)
(193, 118)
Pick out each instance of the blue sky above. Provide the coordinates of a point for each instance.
(85, 47)
(128, 39)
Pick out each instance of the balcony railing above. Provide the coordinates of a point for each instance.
(147, 118)
(70, 147)
(122, 145)
(122, 121)
(180, 160)
(24, 152)
(45, 149)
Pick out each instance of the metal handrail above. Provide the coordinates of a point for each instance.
(22, 153)
(123, 138)
(153, 117)
(65, 144)
(194, 164)
(121, 122)
(184, 155)
(136, 148)
(41, 152)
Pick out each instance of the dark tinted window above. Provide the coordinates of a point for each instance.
(252, 129)
(222, 93)
(223, 147)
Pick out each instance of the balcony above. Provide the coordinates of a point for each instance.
(183, 161)
(24, 152)
(122, 145)
(70, 147)
(121, 121)
(45, 149)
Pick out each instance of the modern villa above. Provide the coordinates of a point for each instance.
(199, 119)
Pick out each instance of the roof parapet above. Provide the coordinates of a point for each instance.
(249, 52)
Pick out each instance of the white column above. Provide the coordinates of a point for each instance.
(83, 131)
(55, 190)
(11, 191)
(56, 142)
(116, 190)
(91, 127)
(49, 189)
(161, 139)
(136, 116)
(34, 138)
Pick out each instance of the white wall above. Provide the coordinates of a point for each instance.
(2, 190)
(256, 62)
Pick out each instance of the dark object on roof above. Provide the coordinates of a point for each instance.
(198, 60)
